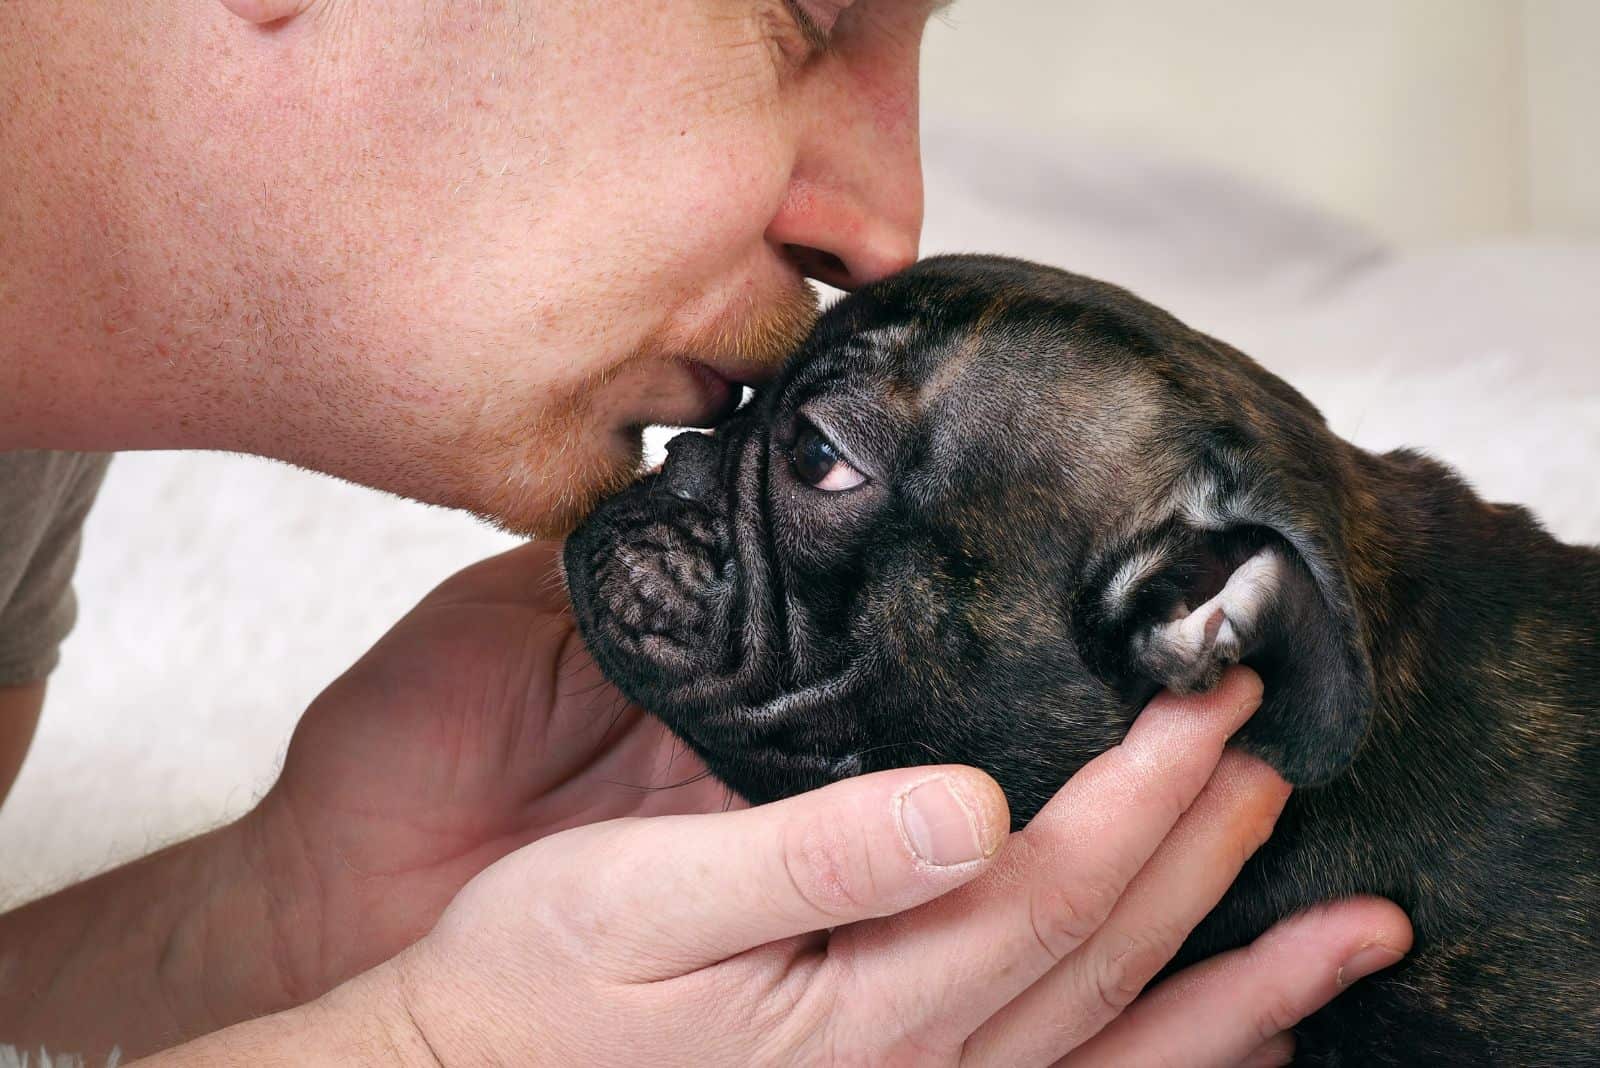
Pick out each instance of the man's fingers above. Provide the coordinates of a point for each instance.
(1188, 875)
(1275, 1052)
(1220, 1012)
(953, 964)
(692, 890)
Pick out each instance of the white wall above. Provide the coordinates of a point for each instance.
(1428, 120)
(1563, 38)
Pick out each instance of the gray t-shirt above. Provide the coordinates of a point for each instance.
(44, 497)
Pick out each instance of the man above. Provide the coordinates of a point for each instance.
(462, 251)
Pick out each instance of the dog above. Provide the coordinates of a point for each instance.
(990, 508)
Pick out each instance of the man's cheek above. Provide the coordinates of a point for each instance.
(709, 193)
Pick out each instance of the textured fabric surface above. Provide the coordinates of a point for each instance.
(220, 594)
(44, 497)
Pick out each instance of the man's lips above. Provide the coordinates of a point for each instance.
(718, 396)
(674, 391)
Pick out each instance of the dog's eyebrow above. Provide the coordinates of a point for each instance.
(841, 430)
(863, 439)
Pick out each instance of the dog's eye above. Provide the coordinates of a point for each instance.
(817, 463)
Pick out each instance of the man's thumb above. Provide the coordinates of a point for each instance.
(693, 890)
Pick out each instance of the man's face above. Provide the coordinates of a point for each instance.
(496, 239)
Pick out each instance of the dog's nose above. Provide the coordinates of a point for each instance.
(690, 470)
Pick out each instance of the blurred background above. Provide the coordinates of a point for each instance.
(1426, 120)
(1395, 204)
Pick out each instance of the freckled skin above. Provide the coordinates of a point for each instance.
(456, 251)
(1431, 662)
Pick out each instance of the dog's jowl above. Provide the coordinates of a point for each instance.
(990, 508)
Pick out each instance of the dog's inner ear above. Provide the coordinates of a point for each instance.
(1178, 606)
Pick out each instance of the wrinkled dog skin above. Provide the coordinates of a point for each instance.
(990, 508)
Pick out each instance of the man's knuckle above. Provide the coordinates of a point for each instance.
(1276, 1012)
(1155, 942)
(1063, 916)
(825, 871)
(1119, 974)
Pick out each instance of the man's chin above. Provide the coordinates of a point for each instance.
(549, 495)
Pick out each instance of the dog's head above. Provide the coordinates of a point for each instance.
(982, 516)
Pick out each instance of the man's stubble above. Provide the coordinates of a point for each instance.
(544, 475)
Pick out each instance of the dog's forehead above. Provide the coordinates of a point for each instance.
(1005, 405)
(948, 321)
(1072, 375)
(1012, 390)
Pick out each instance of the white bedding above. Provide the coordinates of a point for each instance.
(220, 593)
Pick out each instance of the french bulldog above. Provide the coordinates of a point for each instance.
(990, 508)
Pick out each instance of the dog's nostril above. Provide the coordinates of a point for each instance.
(685, 483)
(690, 465)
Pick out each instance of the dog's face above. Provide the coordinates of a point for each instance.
(984, 514)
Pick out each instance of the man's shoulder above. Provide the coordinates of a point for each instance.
(44, 497)
(37, 486)
(27, 474)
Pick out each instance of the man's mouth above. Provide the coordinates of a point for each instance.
(718, 395)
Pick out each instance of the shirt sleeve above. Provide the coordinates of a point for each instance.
(43, 607)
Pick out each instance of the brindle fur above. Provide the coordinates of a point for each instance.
(1031, 431)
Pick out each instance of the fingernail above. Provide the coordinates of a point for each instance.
(1366, 960)
(939, 825)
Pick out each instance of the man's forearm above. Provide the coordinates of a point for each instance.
(19, 717)
(153, 953)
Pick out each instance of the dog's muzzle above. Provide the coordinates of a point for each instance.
(651, 575)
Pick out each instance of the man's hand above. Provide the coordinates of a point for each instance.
(825, 927)
(884, 919)
(478, 724)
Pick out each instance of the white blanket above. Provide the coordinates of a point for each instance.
(221, 593)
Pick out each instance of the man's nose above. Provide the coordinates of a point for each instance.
(690, 470)
(853, 212)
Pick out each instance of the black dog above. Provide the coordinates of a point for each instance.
(990, 508)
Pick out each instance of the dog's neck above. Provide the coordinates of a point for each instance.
(1479, 623)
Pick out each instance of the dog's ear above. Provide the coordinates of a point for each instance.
(1242, 571)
